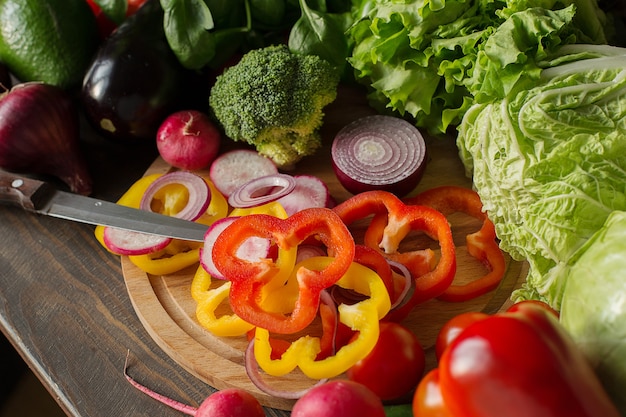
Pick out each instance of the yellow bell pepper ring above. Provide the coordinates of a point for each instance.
(362, 317)
(209, 300)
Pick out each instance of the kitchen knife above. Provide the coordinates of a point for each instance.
(42, 198)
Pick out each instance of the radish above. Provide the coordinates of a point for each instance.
(188, 140)
(379, 153)
(232, 169)
(231, 402)
(339, 398)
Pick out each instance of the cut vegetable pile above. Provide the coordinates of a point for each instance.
(283, 273)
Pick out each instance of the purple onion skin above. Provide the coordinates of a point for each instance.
(39, 134)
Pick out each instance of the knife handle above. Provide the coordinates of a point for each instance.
(24, 192)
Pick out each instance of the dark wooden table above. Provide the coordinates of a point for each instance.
(64, 306)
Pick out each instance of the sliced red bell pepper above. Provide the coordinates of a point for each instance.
(518, 363)
(395, 221)
(250, 279)
(482, 244)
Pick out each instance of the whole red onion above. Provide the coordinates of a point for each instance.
(39, 134)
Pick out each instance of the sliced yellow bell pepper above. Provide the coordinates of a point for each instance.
(362, 317)
(209, 299)
(169, 200)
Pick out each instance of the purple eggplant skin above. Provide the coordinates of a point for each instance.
(135, 81)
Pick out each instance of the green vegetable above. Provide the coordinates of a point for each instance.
(209, 32)
(424, 59)
(274, 99)
(594, 305)
(549, 162)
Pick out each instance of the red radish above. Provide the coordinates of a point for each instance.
(39, 134)
(235, 168)
(309, 191)
(339, 398)
(231, 402)
(252, 249)
(188, 140)
(379, 153)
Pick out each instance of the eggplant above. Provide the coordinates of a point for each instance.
(135, 80)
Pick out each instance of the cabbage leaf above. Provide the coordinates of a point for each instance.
(594, 304)
(550, 162)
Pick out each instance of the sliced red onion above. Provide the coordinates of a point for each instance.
(308, 251)
(253, 249)
(199, 193)
(406, 292)
(326, 298)
(379, 153)
(262, 190)
(126, 242)
(310, 191)
(252, 367)
(254, 373)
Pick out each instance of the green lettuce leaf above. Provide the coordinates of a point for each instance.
(550, 162)
(427, 60)
(594, 304)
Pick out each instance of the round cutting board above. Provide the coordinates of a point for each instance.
(167, 310)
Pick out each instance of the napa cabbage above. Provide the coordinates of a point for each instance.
(549, 162)
(593, 310)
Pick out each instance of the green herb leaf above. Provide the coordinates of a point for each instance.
(322, 34)
(187, 26)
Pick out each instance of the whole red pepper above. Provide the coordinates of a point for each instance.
(520, 363)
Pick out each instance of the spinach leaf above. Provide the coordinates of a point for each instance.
(320, 33)
(187, 24)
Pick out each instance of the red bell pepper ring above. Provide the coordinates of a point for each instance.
(481, 244)
(400, 220)
(249, 278)
(517, 364)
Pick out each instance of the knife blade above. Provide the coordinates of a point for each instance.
(43, 198)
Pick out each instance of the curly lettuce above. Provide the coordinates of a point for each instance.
(428, 60)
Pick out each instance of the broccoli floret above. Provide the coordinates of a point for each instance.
(273, 99)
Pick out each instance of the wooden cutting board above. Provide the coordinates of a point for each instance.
(166, 309)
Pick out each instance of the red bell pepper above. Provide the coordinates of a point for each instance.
(250, 279)
(481, 244)
(519, 363)
(392, 222)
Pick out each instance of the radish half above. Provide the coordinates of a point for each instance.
(379, 153)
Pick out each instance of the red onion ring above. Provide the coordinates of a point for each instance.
(262, 190)
(379, 153)
(252, 367)
(126, 242)
(254, 373)
(199, 193)
(408, 284)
